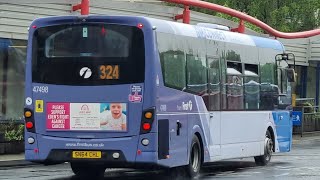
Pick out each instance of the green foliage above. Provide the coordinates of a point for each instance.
(15, 134)
(283, 15)
(12, 131)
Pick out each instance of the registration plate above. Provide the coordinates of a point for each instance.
(86, 154)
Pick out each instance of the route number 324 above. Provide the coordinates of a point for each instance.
(109, 72)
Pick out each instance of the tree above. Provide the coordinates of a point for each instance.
(283, 15)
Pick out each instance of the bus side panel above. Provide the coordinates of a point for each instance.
(283, 124)
(191, 113)
(170, 107)
(208, 130)
(242, 133)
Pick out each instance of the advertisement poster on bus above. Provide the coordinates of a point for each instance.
(87, 116)
(58, 116)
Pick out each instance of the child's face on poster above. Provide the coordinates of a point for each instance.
(116, 110)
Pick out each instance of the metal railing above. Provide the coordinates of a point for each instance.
(309, 117)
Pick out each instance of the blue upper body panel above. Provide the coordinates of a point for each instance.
(214, 34)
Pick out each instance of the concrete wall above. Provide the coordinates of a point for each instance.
(16, 16)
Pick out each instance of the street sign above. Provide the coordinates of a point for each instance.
(296, 118)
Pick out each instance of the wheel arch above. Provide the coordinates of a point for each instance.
(270, 129)
(201, 145)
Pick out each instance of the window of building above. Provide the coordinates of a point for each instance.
(12, 76)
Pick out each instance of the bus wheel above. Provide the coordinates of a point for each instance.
(268, 149)
(85, 170)
(195, 159)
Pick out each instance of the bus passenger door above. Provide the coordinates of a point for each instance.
(214, 104)
(215, 135)
(283, 119)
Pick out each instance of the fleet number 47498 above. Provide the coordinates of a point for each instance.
(40, 89)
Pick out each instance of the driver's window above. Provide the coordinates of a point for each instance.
(282, 81)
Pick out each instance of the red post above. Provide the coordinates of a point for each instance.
(241, 28)
(84, 6)
(179, 16)
(185, 16)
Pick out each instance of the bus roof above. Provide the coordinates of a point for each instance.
(183, 29)
(214, 34)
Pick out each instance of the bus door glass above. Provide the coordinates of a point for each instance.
(284, 85)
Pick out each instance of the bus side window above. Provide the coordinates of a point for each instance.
(251, 87)
(234, 86)
(196, 75)
(173, 69)
(214, 83)
(282, 80)
(269, 91)
(173, 64)
(285, 89)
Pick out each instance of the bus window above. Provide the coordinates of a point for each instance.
(196, 75)
(285, 89)
(223, 80)
(214, 83)
(173, 68)
(251, 87)
(282, 80)
(173, 63)
(92, 42)
(112, 53)
(234, 86)
(269, 91)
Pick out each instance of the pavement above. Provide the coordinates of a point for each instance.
(10, 160)
(307, 136)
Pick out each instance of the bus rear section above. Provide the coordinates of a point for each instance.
(86, 96)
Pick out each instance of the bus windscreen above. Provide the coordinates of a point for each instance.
(88, 54)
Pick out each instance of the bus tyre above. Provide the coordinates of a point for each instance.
(195, 160)
(268, 149)
(85, 171)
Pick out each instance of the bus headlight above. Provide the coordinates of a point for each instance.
(145, 142)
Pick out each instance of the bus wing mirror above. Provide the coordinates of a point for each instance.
(291, 74)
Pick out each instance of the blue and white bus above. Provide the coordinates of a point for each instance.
(123, 91)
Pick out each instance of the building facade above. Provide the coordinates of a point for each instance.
(307, 56)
